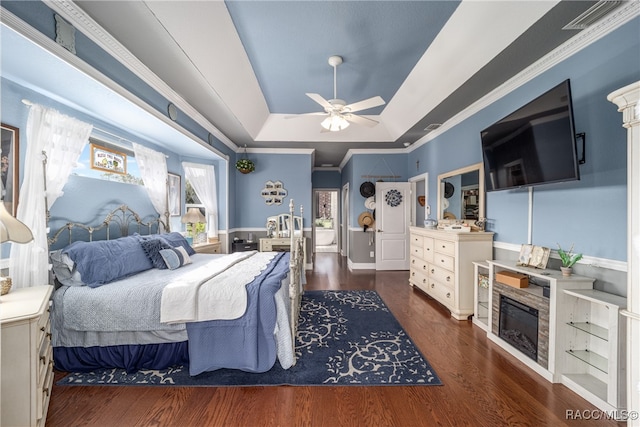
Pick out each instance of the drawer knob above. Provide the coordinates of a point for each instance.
(48, 334)
(46, 391)
(448, 294)
(43, 359)
(413, 273)
(441, 260)
(448, 278)
(43, 329)
(433, 285)
(424, 267)
(424, 281)
(428, 249)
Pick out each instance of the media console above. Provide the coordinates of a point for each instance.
(579, 335)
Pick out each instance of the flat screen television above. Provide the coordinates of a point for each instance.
(535, 144)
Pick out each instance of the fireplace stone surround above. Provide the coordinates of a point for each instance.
(532, 297)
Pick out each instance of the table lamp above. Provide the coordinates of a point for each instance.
(11, 230)
(192, 216)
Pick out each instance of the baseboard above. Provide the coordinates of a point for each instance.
(361, 265)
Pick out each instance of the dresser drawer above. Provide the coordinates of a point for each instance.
(418, 279)
(416, 251)
(42, 400)
(441, 292)
(445, 247)
(441, 275)
(419, 265)
(428, 249)
(416, 240)
(444, 261)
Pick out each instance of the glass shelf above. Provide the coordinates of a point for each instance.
(590, 328)
(593, 359)
(484, 304)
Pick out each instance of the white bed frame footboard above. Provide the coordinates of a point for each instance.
(296, 270)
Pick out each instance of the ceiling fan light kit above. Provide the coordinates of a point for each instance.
(335, 123)
(339, 113)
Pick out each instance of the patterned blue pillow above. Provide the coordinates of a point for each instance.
(175, 257)
(152, 248)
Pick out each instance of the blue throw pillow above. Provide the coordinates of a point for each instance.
(175, 257)
(176, 239)
(104, 261)
(152, 248)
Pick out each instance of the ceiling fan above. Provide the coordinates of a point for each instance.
(339, 113)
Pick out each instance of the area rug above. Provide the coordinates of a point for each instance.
(344, 338)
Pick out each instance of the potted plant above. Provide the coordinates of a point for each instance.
(568, 259)
(245, 165)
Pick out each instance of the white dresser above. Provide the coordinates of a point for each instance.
(442, 265)
(27, 362)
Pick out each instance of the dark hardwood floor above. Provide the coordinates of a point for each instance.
(482, 384)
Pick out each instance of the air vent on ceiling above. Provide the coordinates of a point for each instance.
(433, 126)
(593, 14)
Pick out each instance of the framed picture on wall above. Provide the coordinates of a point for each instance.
(108, 160)
(10, 161)
(175, 207)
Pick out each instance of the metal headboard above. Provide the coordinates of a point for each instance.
(122, 216)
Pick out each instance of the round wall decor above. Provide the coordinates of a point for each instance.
(393, 198)
(172, 110)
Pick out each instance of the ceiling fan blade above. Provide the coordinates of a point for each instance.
(319, 113)
(320, 100)
(364, 104)
(361, 120)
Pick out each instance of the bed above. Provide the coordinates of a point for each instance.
(146, 300)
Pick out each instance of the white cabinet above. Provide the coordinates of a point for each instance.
(442, 266)
(594, 347)
(27, 362)
(481, 295)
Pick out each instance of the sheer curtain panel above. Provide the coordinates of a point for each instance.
(153, 169)
(203, 180)
(60, 139)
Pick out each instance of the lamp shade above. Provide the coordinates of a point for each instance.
(193, 215)
(334, 123)
(11, 229)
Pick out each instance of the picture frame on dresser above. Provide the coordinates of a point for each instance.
(10, 161)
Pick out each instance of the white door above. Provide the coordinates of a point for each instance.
(393, 216)
(344, 249)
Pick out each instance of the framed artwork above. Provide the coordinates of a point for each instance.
(533, 256)
(108, 160)
(10, 161)
(175, 207)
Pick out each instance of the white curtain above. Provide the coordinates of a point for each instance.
(203, 180)
(153, 169)
(62, 138)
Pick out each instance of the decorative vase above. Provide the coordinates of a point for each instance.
(566, 271)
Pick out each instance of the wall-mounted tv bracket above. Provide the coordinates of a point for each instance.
(581, 136)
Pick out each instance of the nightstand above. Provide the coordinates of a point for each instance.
(207, 248)
(27, 356)
(244, 246)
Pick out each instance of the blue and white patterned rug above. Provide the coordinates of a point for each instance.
(344, 338)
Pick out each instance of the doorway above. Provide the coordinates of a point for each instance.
(326, 220)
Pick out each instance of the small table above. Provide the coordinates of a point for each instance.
(207, 248)
(244, 246)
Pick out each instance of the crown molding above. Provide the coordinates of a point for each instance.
(38, 38)
(277, 150)
(575, 44)
(90, 28)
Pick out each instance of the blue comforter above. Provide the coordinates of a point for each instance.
(246, 343)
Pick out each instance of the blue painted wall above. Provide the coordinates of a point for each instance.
(564, 213)
(326, 179)
(293, 170)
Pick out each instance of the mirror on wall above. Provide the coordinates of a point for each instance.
(278, 226)
(461, 194)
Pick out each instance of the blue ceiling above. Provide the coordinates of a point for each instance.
(380, 42)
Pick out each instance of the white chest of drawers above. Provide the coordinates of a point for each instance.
(442, 265)
(27, 362)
